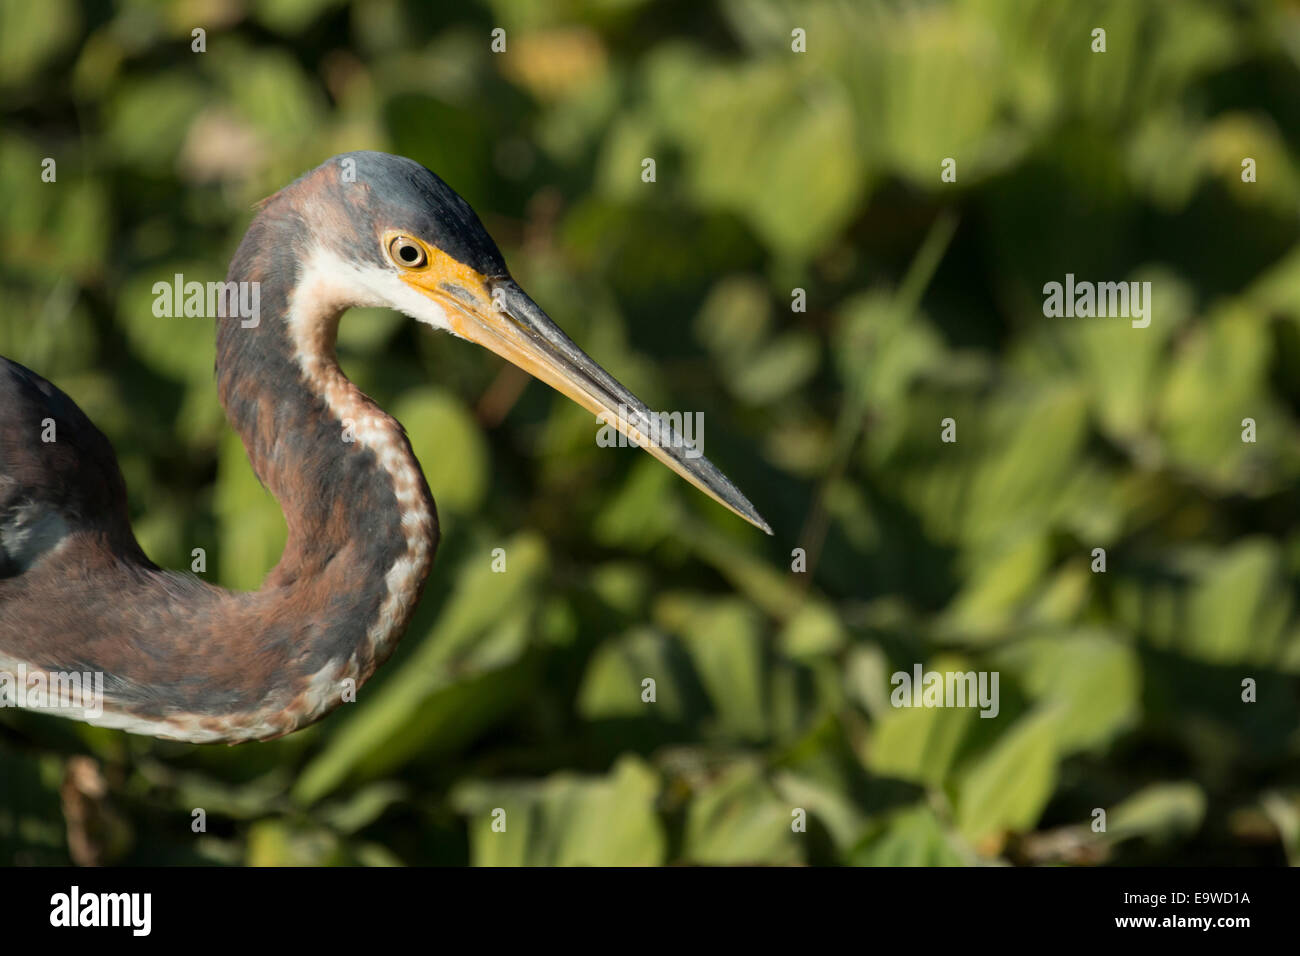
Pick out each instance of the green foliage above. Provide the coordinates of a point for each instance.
(524, 692)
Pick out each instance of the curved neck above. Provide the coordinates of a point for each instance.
(183, 659)
(362, 528)
(340, 467)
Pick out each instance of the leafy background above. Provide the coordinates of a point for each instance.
(776, 170)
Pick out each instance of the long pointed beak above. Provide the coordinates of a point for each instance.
(516, 328)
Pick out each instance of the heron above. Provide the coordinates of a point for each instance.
(179, 658)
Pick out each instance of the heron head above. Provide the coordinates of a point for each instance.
(405, 240)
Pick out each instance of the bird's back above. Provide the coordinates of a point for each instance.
(78, 596)
(58, 473)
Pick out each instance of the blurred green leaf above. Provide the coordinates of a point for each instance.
(739, 819)
(566, 820)
(1159, 812)
(909, 837)
(1007, 788)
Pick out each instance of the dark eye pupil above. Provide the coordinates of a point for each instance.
(409, 253)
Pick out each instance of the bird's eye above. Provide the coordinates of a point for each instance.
(406, 252)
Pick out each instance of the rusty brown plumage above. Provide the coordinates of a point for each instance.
(177, 657)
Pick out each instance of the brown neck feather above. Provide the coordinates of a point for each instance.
(185, 659)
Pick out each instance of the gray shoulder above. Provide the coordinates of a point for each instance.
(57, 470)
